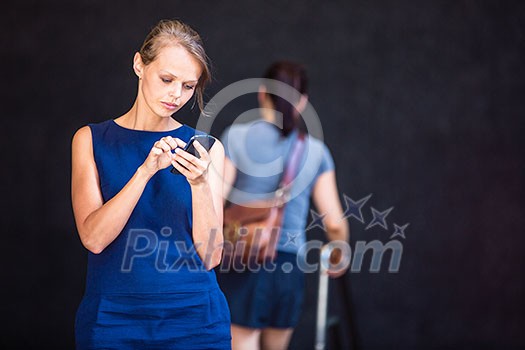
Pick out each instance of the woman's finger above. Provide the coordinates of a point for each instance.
(170, 141)
(179, 142)
(204, 155)
(181, 168)
(183, 154)
(163, 145)
(156, 150)
(192, 159)
(188, 164)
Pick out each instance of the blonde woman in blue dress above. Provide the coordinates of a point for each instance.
(153, 237)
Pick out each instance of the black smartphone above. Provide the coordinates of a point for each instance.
(205, 140)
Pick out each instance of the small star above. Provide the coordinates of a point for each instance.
(379, 218)
(317, 220)
(399, 231)
(353, 208)
(291, 239)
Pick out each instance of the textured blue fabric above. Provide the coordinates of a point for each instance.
(264, 298)
(259, 152)
(148, 289)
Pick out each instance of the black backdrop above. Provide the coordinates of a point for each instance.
(421, 104)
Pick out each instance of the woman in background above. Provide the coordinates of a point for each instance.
(150, 283)
(265, 305)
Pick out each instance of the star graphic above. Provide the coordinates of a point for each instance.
(291, 239)
(379, 218)
(317, 220)
(399, 231)
(353, 208)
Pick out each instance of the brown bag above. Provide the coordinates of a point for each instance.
(251, 230)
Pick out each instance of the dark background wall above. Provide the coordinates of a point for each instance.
(421, 103)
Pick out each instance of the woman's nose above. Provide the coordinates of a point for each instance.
(176, 91)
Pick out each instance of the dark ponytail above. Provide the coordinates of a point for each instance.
(293, 74)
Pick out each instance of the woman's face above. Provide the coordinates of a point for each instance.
(169, 81)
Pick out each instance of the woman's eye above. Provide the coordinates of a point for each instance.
(189, 87)
(167, 81)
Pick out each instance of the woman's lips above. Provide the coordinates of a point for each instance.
(169, 106)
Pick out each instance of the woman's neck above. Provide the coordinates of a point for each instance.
(138, 118)
(267, 114)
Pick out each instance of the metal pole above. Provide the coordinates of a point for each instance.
(322, 298)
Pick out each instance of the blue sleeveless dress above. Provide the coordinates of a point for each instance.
(149, 289)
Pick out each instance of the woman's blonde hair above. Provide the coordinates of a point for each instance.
(168, 32)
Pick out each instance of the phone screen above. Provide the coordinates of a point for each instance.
(206, 141)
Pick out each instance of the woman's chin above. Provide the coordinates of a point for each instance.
(165, 114)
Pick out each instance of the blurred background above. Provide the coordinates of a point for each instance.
(421, 103)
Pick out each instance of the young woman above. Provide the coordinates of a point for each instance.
(266, 305)
(153, 236)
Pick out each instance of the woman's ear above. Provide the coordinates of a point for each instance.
(138, 65)
(301, 105)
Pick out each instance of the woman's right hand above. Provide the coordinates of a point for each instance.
(100, 222)
(160, 155)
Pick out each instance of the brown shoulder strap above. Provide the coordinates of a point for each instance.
(292, 164)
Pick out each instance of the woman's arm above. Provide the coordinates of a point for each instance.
(205, 175)
(99, 223)
(230, 173)
(326, 200)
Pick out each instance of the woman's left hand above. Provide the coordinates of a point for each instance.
(195, 169)
(338, 265)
